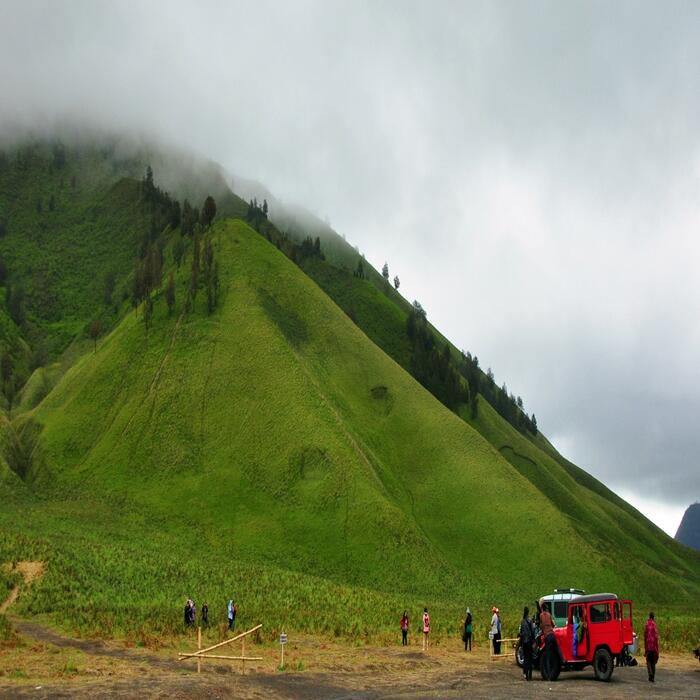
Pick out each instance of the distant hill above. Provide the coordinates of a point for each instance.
(689, 529)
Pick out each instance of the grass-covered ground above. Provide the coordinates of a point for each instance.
(128, 579)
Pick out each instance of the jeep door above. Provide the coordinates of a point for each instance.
(604, 631)
(627, 628)
(577, 633)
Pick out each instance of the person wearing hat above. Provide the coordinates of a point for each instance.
(467, 635)
(495, 632)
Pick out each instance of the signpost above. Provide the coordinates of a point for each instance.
(283, 641)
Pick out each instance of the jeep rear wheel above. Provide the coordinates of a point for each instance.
(602, 665)
(550, 664)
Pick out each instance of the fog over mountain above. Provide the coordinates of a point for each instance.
(531, 171)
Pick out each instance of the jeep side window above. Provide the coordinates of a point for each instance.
(576, 614)
(616, 611)
(599, 612)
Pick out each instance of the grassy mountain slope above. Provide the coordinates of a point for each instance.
(275, 449)
(597, 513)
(295, 423)
(274, 433)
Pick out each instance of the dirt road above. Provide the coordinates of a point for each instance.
(503, 681)
(70, 668)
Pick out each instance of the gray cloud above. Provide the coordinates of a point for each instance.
(530, 170)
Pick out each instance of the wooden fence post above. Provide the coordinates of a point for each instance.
(199, 647)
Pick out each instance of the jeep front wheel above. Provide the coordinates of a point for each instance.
(550, 664)
(519, 655)
(602, 665)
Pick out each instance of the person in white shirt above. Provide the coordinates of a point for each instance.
(495, 631)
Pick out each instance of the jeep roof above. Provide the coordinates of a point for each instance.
(593, 598)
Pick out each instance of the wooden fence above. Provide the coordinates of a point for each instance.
(504, 654)
(204, 653)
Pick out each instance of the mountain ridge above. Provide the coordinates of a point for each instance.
(688, 532)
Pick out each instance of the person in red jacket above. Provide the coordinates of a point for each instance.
(651, 646)
(404, 629)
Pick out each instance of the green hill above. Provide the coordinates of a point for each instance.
(278, 450)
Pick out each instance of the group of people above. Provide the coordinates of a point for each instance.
(425, 627)
(467, 630)
(191, 614)
(546, 625)
(528, 635)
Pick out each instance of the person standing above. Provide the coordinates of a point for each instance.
(232, 610)
(495, 632)
(651, 646)
(426, 629)
(467, 636)
(205, 615)
(187, 612)
(547, 628)
(404, 629)
(527, 637)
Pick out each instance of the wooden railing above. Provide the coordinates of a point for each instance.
(513, 644)
(204, 653)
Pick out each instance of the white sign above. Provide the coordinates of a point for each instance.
(283, 639)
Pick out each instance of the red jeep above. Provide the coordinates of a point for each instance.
(598, 629)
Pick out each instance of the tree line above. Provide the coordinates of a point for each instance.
(431, 364)
(298, 252)
(459, 380)
(507, 405)
(194, 224)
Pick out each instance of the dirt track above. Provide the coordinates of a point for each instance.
(29, 571)
(334, 672)
(503, 681)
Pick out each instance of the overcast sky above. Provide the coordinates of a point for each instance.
(530, 170)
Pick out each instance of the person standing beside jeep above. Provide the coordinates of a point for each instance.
(547, 627)
(527, 637)
(651, 646)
